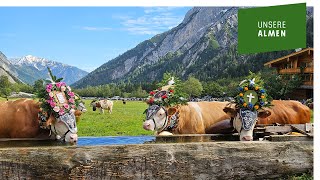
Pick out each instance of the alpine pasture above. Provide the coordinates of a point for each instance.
(125, 120)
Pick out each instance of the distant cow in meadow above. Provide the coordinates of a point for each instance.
(102, 105)
(20, 119)
(193, 118)
(282, 112)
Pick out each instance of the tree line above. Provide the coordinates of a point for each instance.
(278, 87)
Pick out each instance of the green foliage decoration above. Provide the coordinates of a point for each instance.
(167, 97)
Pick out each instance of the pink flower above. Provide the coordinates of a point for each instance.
(71, 94)
(73, 106)
(56, 108)
(63, 88)
(66, 106)
(48, 90)
(71, 100)
(61, 112)
(49, 86)
(52, 104)
(58, 84)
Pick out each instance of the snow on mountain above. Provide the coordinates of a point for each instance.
(31, 68)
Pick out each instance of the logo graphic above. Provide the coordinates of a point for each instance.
(272, 28)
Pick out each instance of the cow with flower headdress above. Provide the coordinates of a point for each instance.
(253, 107)
(170, 113)
(52, 117)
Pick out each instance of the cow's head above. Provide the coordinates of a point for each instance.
(95, 104)
(81, 107)
(64, 127)
(245, 120)
(157, 117)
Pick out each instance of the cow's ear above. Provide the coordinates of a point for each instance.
(230, 111)
(50, 120)
(172, 111)
(264, 113)
(77, 113)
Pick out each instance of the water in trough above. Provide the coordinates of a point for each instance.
(83, 141)
(118, 140)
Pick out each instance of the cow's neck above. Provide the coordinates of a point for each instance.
(173, 121)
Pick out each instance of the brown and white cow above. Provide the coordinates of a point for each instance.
(20, 119)
(282, 112)
(193, 118)
(102, 105)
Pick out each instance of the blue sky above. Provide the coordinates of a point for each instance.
(85, 37)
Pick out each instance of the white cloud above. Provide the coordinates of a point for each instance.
(91, 28)
(153, 21)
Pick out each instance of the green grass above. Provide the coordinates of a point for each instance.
(125, 120)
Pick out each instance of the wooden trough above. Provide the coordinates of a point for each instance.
(194, 160)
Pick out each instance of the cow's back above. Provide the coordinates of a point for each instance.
(197, 117)
(287, 112)
(19, 119)
(106, 104)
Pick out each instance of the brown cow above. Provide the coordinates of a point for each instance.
(282, 112)
(193, 118)
(20, 119)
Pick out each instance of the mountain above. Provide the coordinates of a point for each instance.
(30, 68)
(203, 45)
(6, 69)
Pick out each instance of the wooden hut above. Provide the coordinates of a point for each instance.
(300, 62)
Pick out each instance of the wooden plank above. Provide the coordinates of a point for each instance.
(212, 160)
(184, 138)
(278, 129)
(289, 138)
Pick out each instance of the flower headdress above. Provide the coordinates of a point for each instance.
(56, 97)
(251, 96)
(166, 96)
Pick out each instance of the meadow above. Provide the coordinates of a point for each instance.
(125, 120)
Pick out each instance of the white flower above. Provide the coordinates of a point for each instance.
(51, 94)
(69, 88)
(56, 108)
(63, 88)
(252, 81)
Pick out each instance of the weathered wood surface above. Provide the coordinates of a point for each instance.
(290, 138)
(209, 160)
